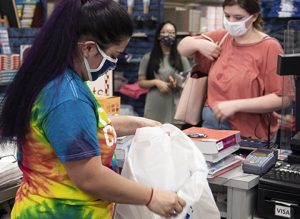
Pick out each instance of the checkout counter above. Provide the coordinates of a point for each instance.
(279, 189)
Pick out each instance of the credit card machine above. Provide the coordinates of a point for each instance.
(260, 161)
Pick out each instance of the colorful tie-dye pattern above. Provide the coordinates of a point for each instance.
(46, 190)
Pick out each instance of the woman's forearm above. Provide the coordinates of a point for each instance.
(127, 125)
(263, 104)
(95, 179)
(147, 83)
(187, 46)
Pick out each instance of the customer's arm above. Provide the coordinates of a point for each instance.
(268, 103)
(188, 46)
(161, 85)
(92, 177)
(127, 125)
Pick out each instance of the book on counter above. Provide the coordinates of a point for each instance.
(222, 154)
(228, 163)
(213, 141)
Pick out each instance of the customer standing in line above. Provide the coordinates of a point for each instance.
(243, 86)
(66, 142)
(158, 71)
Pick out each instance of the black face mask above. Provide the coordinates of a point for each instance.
(167, 41)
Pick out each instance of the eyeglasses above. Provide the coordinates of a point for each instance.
(168, 33)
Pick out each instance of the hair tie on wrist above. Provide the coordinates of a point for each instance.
(150, 199)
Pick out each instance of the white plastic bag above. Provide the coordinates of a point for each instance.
(165, 158)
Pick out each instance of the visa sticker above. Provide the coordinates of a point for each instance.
(282, 211)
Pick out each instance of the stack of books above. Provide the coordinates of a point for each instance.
(228, 163)
(217, 147)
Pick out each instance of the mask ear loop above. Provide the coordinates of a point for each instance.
(88, 69)
(106, 56)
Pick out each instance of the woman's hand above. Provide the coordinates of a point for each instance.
(224, 109)
(127, 125)
(173, 82)
(285, 121)
(209, 49)
(162, 86)
(166, 204)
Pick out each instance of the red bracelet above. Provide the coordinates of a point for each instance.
(150, 199)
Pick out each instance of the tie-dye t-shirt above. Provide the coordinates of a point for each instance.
(67, 124)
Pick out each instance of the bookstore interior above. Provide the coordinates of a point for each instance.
(219, 172)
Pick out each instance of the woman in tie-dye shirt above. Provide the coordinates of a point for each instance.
(66, 142)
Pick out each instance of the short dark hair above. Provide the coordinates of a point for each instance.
(54, 49)
(251, 6)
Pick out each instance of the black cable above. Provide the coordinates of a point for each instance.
(269, 130)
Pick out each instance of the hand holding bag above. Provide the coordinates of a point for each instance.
(194, 92)
(165, 158)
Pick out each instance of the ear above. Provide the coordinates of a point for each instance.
(255, 16)
(88, 48)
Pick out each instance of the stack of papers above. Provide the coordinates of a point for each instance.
(228, 163)
(10, 174)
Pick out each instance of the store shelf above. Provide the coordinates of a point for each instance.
(139, 35)
(7, 76)
(192, 2)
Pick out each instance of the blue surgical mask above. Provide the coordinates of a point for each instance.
(106, 64)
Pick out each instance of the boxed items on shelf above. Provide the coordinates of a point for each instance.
(21, 36)
(9, 62)
(4, 41)
(111, 105)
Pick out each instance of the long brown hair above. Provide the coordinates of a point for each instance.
(251, 6)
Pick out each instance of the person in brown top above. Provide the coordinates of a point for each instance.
(243, 85)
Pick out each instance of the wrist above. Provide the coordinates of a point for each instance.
(155, 82)
(150, 197)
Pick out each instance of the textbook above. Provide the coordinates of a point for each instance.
(212, 141)
(213, 158)
(228, 163)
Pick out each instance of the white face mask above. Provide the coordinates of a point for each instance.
(106, 64)
(237, 28)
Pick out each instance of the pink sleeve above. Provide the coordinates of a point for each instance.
(203, 63)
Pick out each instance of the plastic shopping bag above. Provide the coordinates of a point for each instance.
(165, 158)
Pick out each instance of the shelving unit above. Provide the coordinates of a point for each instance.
(194, 17)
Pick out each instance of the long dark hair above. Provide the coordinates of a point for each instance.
(156, 55)
(251, 6)
(54, 49)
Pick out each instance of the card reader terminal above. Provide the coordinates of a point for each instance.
(260, 161)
